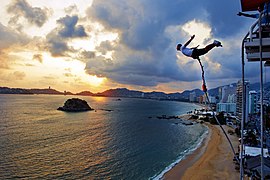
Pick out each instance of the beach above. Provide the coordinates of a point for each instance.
(212, 160)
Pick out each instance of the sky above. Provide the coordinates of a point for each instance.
(95, 45)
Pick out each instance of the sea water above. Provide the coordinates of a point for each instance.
(120, 139)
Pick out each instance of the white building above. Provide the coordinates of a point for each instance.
(231, 98)
(255, 151)
(222, 93)
(226, 94)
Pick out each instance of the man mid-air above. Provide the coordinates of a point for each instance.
(195, 53)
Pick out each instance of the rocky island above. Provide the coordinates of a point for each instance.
(75, 105)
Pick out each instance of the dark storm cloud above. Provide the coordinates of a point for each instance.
(34, 15)
(154, 17)
(229, 58)
(56, 45)
(222, 16)
(68, 28)
(145, 53)
(139, 69)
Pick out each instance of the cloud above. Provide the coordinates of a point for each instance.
(144, 54)
(18, 75)
(9, 37)
(139, 69)
(143, 51)
(57, 46)
(10, 76)
(3, 62)
(68, 69)
(222, 17)
(29, 65)
(138, 57)
(68, 75)
(71, 9)
(34, 15)
(67, 29)
(50, 77)
(38, 57)
(225, 63)
(84, 56)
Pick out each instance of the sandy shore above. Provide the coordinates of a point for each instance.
(213, 160)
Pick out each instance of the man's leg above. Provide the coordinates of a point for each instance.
(199, 52)
(209, 47)
(206, 49)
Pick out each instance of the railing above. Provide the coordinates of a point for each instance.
(252, 28)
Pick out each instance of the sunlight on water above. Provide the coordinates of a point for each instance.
(39, 142)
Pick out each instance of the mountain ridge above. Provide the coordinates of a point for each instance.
(124, 92)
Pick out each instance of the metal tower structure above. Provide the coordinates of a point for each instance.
(256, 44)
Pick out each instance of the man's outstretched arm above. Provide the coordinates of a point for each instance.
(248, 15)
(187, 43)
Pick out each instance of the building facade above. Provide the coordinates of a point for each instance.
(239, 100)
(231, 98)
(226, 107)
(252, 102)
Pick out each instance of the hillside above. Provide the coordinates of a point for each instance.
(124, 92)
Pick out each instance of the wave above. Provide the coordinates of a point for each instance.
(183, 155)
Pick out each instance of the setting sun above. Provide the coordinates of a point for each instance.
(73, 69)
(96, 81)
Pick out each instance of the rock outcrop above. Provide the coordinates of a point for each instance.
(75, 105)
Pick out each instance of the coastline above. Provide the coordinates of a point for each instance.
(213, 159)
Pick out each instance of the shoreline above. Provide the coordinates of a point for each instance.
(177, 171)
(212, 159)
(199, 144)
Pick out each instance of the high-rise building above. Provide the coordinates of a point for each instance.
(226, 107)
(223, 93)
(226, 92)
(252, 102)
(231, 98)
(239, 100)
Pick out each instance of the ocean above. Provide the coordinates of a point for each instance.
(120, 139)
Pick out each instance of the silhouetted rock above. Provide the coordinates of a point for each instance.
(75, 105)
